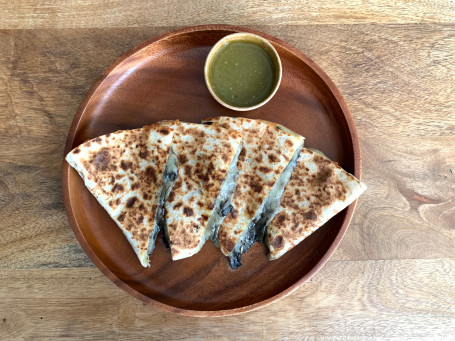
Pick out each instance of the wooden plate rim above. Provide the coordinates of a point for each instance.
(216, 313)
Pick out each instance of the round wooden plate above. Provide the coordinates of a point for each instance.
(163, 79)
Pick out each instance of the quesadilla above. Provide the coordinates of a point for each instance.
(201, 157)
(124, 171)
(268, 149)
(318, 189)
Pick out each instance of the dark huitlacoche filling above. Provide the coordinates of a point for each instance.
(242, 246)
(166, 242)
(226, 210)
(264, 215)
(223, 202)
(169, 177)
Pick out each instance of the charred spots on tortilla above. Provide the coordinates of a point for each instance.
(125, 165)
(311, 215)
(280, 218)
(210, 169)
(188, 211)
(76, 151)
(164, 131)
(130, 202)
(273, 157)
(255, 186)
(278, 242)
(324, 175)
(117, 188)
(203, 177)
(265, 170)
(171, 197)
(97, 140)
(208, 123)
(121, 217)
(143, 154)
(150, 174)
(226, 210)
(102, 160)
(187, 170)
(182, 159)
(242, 155)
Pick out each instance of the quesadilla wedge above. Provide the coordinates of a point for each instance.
(268, 149)
(318, 189)
(201, 157)
(124, 171)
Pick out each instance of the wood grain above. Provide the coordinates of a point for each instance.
(204, 284)
(409, 208)
(355, 300)
(392, 276)
(36, 115)
(136, 13)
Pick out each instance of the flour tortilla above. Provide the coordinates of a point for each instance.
(203, 157)
(124, 171)
(318, 189)
(268, 148)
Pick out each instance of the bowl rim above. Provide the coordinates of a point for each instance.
(81, 110)
(241, 36)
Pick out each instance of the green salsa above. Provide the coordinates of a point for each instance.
(242, 74)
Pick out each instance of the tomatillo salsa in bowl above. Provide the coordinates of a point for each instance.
(243, 71)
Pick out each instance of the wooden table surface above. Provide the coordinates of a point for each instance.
(393, 275)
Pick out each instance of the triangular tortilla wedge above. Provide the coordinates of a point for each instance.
(268, 149)
(124, 171)
(203, 155)
(318, 189)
